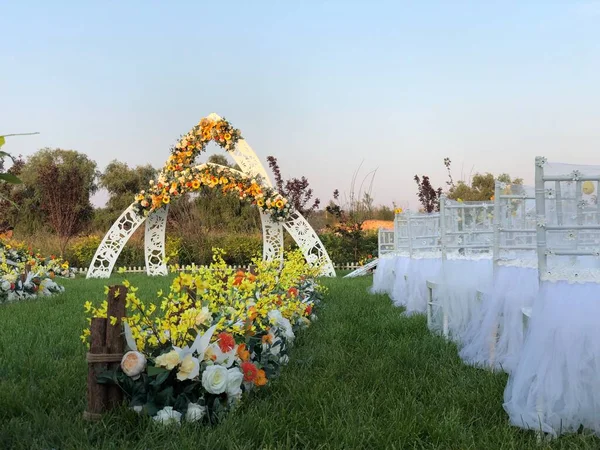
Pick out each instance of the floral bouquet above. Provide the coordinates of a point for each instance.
(24, 274)
(216, 336)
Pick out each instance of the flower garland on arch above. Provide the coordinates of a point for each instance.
(179, 177)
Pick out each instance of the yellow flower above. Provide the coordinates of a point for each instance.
(195, 184)
(168, 360)
(260, 202)
(166, 199)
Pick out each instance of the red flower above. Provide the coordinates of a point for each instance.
(293, 292)
(226, 342)
(250, 371)
(308, 310)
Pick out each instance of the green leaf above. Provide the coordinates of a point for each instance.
(2, 141)
(161, 378)
(10, 178)
(108, 377)
(154, 370)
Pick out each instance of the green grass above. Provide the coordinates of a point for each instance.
(361, 377)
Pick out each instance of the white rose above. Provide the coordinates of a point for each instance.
(133, 364)
(168, 415)
(6, 285)
(234, 382)
(282, 323)
(214, 379)
(195, 412)
(138, 409)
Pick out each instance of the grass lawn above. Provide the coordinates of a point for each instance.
(361, 377)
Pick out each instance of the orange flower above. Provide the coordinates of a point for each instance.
(267, 339)
(308, 310)
(261, 378)
(226, 342)
(243, 354)
(293, 292)
(252, 313)
(250, 371)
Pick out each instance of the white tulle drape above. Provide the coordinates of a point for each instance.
(457, 294)
(555, 386)
(494, 337)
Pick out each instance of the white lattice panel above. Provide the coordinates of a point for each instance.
(154, 242)
(107, 253)
(310, 244)
(272, 233)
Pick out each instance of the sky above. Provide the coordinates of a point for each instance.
(327, 87)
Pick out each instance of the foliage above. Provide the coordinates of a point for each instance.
(62, 182)
(482, 187)
(122, 183)
(349, 246)
(217, 335)
(428, 196)
(296, 190)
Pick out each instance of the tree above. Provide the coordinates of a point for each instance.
(482, 187)
(62, 182)
(428, 196)
(123, 183)
(295, 190)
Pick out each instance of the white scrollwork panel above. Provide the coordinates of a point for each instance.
(272, 238)
(154, 242)
(113, 242)
(245, 157)
(310, 244)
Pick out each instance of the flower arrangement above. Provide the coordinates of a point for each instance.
(215, 336)
(26, 274)
(179, 177)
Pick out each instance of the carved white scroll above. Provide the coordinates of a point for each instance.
(107, 253)
(154, 241)
(310, 244)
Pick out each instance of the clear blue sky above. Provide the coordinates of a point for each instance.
(322, 85)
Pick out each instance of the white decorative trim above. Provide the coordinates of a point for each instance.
(572, 275)
(113, 242)
(310, 244)
(540, 161)
(154, 242)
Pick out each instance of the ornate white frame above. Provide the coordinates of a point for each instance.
(117, 236)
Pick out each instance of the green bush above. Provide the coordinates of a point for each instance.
(342, 249)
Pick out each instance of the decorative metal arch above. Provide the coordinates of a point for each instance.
(303, 234)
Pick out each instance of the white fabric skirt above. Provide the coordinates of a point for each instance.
(399, 292)
(383, 278)
(420, 270)
(456, 296)
(494, 337)
(556, 385)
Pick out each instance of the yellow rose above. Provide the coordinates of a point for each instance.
(168, 360)
(189, 369)
(588, 187)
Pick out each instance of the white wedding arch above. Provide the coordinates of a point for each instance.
(153, 209)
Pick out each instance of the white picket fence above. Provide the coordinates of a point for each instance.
(142, 269)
